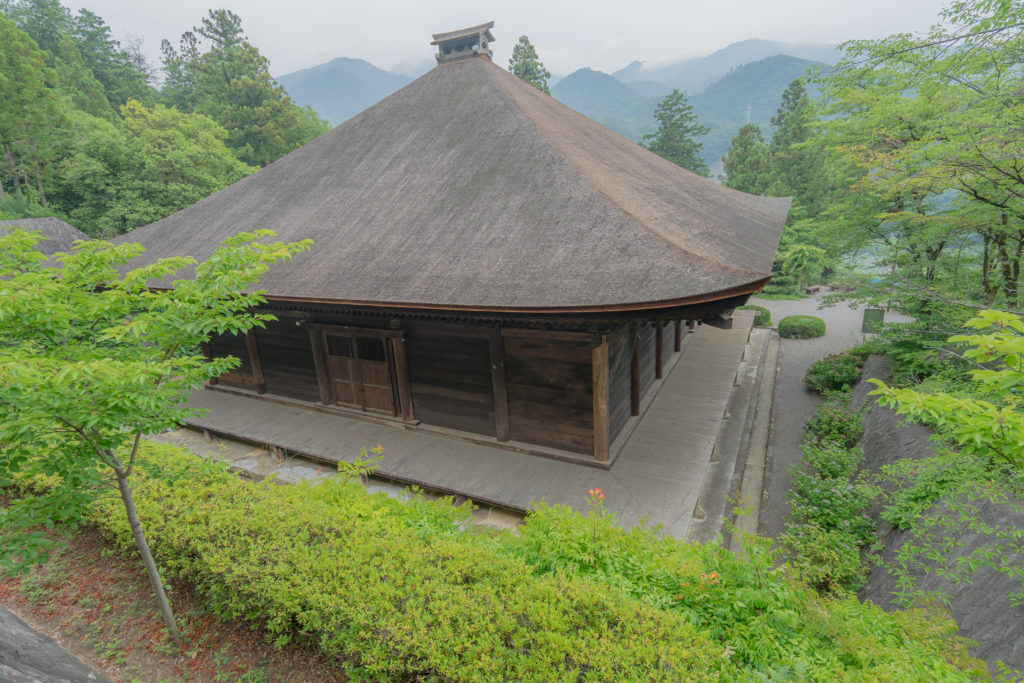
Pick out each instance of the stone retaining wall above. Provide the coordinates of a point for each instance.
(981, 607)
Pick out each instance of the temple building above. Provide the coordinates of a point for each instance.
(487, 263)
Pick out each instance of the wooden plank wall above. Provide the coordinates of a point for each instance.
(233, 345)
(550, 392)
(287, 359)
(620, 355)
(648, 332)
(450, 375)
(668, 337)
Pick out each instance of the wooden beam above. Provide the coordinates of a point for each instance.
(254, 362)
(402, 375)
(659, 349)
(634, 372)
(679, 336)
(502, 426)
(323, 380)
(602, 423)
(547, 335)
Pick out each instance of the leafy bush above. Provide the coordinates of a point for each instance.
(411, 591)
(834, 504)
(801, 327)
(762, 316)
(827, 559)
(832, 460)
(837, 372)
(833, 422)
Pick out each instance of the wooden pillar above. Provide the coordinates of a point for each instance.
(402, 376)
(691, 326)
(323, 380)
(254, 362)
(659, 349)
(502, 427)
(634, 372)
(602, 424)
(679, 336)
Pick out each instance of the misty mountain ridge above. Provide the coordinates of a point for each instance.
(725, 90)
(341, 88)
(696, 73)
(749, 93)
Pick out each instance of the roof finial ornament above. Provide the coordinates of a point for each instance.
(464, 43)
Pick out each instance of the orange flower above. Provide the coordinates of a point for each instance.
(596, 493)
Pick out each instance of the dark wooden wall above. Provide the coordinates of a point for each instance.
(287, 359)
(233, 345)
(550, 392)
(620, 356)
(648, 334)
(450, 374)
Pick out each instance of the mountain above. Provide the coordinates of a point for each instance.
(695, 73)
(749, 93)
(341, 88)
(608, 101)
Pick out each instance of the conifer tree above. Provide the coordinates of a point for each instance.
(748, 162)
(525, 64)
(677, 136)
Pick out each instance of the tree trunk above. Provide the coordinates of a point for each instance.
(3, 195)
(147, 558)
(35, 164)
(14, 169)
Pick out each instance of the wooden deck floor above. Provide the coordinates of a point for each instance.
(657, 476)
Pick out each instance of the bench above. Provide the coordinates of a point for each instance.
(814, 289)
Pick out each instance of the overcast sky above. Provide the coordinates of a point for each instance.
(569, 35)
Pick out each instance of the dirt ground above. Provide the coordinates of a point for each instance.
(97, 603)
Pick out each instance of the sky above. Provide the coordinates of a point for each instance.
(569, 34)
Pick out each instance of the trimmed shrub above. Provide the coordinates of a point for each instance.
(838, 372)
(762, 316)
(409, 590)
(833, 422)
(801, 327)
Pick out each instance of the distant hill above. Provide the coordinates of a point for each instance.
(341, 88)
(749, 93)
(696, 73)
(608, 101)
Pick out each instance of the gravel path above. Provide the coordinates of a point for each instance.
(793, 403)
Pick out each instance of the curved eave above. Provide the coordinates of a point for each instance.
(710, 297)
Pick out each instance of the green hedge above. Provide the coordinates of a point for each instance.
(412, 591)
(801, 327)
(762, 317)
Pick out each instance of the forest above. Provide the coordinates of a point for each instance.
(88, 134)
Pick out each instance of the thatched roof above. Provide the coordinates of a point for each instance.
(58, 234)
(470, 189)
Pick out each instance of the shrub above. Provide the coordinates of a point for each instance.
(838, 372)
(833, 422)
(410, 591)
(827, 559)
(801, 327)
(762, 315)
(831, 460)
(835, 504)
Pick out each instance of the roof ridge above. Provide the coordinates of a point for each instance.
(551, 140)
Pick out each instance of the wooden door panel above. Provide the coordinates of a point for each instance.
(360, 372)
